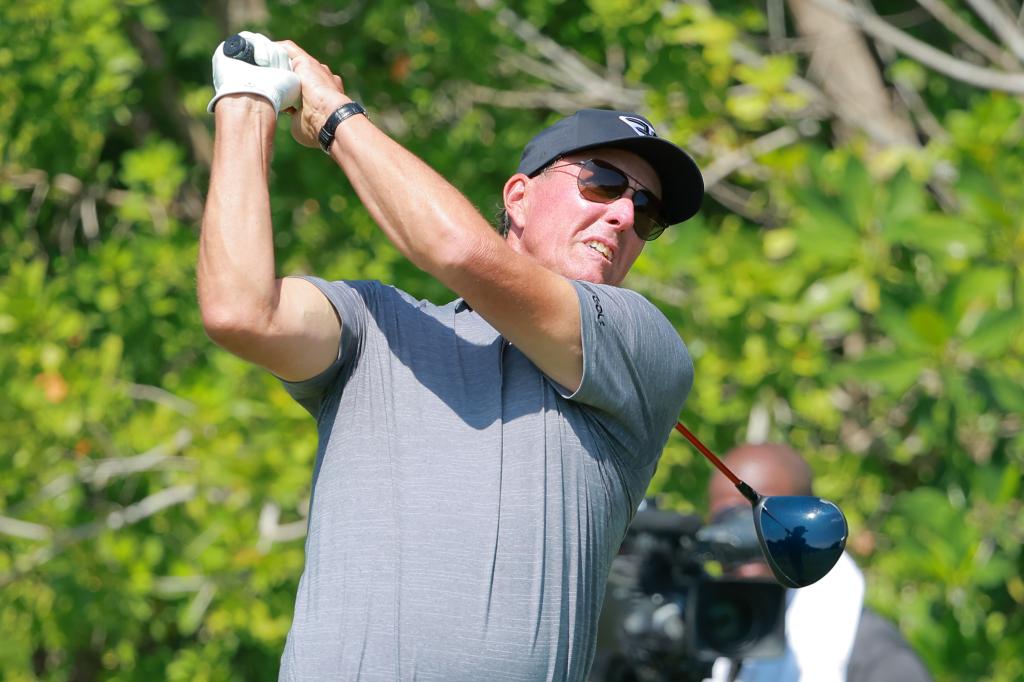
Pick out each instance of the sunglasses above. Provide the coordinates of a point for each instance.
(603, 183)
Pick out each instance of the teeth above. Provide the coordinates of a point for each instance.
(601, 248)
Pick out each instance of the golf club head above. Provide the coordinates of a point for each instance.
(802, 537)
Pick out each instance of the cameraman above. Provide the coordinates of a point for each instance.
(830, 634)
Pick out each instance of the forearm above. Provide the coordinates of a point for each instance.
(442, 233)
(236, 274)
(423, 215)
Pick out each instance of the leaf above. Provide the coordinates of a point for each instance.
(748, 107)
(929, 325)
(192, 616)
(979, 286)
(907, 198)
(779, 243)
(830, 293)
(940, 235)
(993, 572)
(1009, 488)
(894, 373)
(770, 76)
(839, 323)
(935, 527)
(156, 168)
(858, 195)
(823, 232)
(1006, 391)
(995, 334)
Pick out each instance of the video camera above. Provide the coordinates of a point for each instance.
(666, 618)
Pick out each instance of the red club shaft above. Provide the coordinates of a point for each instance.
(745, 489)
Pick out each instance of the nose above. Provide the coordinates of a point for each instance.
(620, 213)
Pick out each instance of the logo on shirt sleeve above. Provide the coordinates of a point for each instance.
(599, 309)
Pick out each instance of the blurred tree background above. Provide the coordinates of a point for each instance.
(853, 287)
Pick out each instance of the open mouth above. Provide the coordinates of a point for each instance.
(602, 249)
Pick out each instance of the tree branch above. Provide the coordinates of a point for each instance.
(160, 396)
(565, 67)
(331, 19)
(924, 53)
(842, 64)
(967, 33)
(100, 473)
(555, 100)
(821, 105)
(727, 164)
(776, 14)
(271, 531)
(97, 474)
(1002, 24)
(116, 519)
(24, 529)
(759, 424)
(188, 128)
(170, 585)
(243, 14)
(737, 200)
(41, 183)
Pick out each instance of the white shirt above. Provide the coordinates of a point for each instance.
(821, 625)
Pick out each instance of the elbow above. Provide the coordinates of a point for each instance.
(454, 259)
(217, 320)
(228, 326)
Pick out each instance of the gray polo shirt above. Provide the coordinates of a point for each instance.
(466, 508)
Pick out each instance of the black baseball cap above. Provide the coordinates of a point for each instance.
(681, 181)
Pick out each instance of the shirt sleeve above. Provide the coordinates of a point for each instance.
(351, 301)
(636, 370)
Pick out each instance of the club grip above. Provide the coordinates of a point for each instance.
(238, 47)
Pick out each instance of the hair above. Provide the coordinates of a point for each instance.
(502, 222)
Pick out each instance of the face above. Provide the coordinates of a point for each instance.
(575, 237)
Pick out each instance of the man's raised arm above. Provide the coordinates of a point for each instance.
(286, 326)
(440, 231)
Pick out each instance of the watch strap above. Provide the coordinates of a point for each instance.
(326, 136)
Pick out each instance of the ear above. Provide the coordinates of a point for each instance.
(514, 197)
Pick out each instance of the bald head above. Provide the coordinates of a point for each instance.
(769, 469)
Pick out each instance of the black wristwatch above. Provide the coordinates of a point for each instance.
(326, 136)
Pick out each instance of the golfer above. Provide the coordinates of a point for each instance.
(479, 461)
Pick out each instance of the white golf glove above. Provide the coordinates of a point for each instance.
(271, 78)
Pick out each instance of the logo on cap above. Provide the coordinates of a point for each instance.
(639, 126)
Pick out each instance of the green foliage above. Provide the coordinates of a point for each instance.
(869, 304)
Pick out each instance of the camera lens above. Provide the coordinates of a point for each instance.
(727, 624)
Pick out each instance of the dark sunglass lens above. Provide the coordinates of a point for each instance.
(645, 227)
(647, 215)
(601, 183)
(650, 232)
(803, 537)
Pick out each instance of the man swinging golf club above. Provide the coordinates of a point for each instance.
(478, 462)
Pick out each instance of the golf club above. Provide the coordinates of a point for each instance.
(239, 48)
(801, 536)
